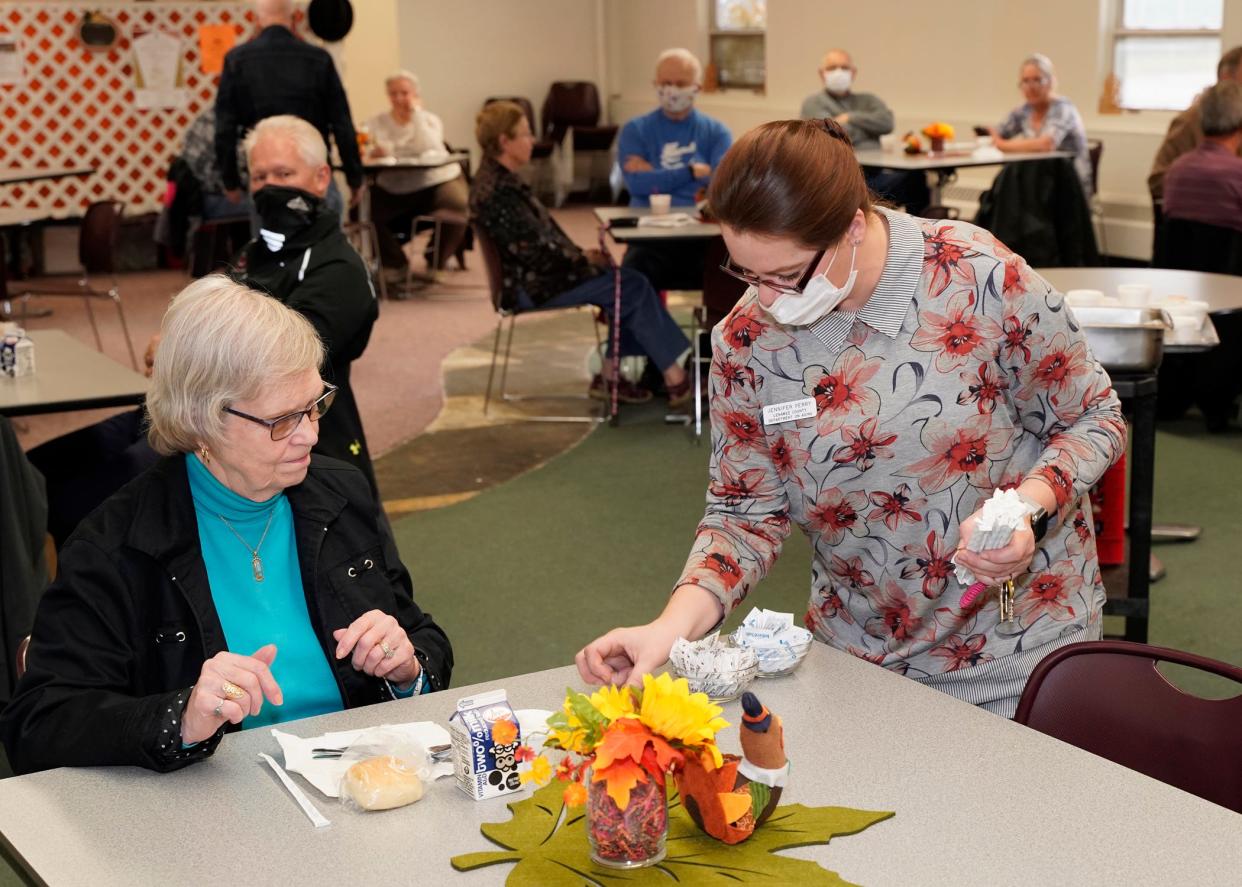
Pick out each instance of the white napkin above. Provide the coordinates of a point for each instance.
(325, 773)
(987, 152)
(1001, 515)
(669, 220)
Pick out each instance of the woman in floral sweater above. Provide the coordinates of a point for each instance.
(880, 379)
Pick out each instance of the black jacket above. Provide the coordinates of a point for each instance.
(23, 567)
(124, 630)
(276, 73)
(1037, 209)
(319, 275)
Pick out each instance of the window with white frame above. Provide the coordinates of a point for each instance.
(738, 29)
(1165, 51)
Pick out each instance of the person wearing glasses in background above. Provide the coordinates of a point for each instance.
(1045, 121)
(238, 583)
(880, 379)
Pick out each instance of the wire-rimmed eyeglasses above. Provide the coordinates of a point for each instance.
(755, 280)
(283, 426)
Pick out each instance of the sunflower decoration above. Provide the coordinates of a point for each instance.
(627, 736)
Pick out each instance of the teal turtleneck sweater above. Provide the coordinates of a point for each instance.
(255, 613)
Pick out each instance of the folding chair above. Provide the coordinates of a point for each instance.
(491, 261)
(96, 251)
(1108, 698)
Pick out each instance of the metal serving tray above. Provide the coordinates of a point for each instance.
(1125, 340)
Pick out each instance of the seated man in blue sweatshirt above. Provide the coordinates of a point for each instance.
(672, 150)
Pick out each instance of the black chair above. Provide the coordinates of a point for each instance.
(1213, 380)
(1095, 150)
(1108, 698)
(436, 220)
(97, 241)
(573, 108)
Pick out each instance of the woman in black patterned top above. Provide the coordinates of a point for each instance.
(542, 268)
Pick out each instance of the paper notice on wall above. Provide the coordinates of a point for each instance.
(214, 42)
(157, 71)
(11, 61)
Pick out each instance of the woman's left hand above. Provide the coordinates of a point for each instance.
(998, 564)
(380, 647)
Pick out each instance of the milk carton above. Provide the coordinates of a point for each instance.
(485, 767)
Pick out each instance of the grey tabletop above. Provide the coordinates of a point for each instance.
(69, 375)
(1222, 292)
(697, 231)
(945, 160)
(34, 174)
(978, 800)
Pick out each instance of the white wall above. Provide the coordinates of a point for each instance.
(952, 60)
(466, 50)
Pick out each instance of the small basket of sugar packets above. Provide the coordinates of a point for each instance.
(715, 666)
(779, 645)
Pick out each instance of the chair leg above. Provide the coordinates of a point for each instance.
(504, 373)
(491, 374)
(90, 312)
(120, 313)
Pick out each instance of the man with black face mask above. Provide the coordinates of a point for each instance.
(302, 258)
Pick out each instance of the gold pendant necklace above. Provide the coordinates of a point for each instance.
(256, 562)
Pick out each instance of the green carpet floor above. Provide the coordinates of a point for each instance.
(525, 574)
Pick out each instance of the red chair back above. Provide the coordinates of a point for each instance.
(495, 273)
(1108, 698)
(569, 103)
(97, 238)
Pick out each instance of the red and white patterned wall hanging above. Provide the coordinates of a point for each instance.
(76, 107)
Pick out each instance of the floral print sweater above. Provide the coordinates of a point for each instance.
(963, 373)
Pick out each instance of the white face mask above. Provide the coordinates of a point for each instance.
(676, 99)
(819, 297)
(838, 80)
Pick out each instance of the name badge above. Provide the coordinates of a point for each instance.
(789, 411)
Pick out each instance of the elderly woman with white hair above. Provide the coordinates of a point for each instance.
(1045, 121)
(409, 130)
(238, 583)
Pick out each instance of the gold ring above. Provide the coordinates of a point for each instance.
(389, 652)
(232, 691)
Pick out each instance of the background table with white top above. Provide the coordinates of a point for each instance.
(945, 163)
(978, 800)
(696, 230)
(69, 375)
(372, 167)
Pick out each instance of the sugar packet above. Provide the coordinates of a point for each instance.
(778, 643)
(719, 668)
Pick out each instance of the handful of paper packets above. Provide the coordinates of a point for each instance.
(1001, 515)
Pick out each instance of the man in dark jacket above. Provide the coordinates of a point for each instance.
(302, 258)
(276, 73)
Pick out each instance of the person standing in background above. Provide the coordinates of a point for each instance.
(277, 73)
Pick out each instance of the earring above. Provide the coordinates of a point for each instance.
(204, 455)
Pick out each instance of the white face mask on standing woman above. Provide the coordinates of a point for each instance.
(838, 80)
(818, 298)
(676, 99)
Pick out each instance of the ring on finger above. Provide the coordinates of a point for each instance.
(389, 652)
(232, 691)
(216, 711)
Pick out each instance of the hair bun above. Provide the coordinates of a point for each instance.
(830, 127)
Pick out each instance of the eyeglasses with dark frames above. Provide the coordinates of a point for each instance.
(755, 280)
(283, 426)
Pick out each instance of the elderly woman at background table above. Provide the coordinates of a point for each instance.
(880, 379)
(541, 267)
(238, 582)
(1045, 121)
(410, 131)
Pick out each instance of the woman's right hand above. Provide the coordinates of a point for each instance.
(626, 654)
(210, 705)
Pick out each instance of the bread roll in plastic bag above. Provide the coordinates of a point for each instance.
(385, 769)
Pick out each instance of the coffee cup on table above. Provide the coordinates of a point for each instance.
(1134, 295)
(660, 203)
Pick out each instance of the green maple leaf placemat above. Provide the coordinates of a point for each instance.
(551, 852)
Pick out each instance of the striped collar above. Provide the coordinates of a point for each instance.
(886, 310)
